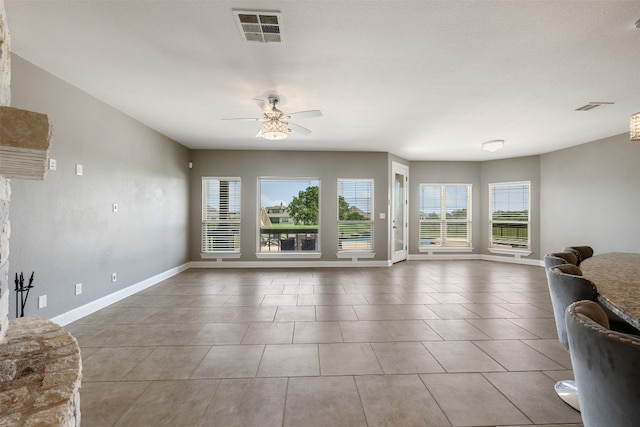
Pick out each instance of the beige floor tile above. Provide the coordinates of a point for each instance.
(490, 311)
(170, 334)
(305, 313)
(409, 330)
(517, 356)
(192, 315)
(230, 361)
(257, 402)
(380, 298)
(112, 363)
(416, 298)
(269, 333)
(279, 300)
(462, 356)
(336, 312)
(168, 363)
(317, 332)
(244, 300)
(405, 358)
(102, 404)
(323, 402)
(456, 330)
(533, 394)
(364, 331)
(398, 400)
(394, 312)
(553, 350)
(170, 403)
(348, 359)
(526, 310)
(449, 298)
(255, 314)
(540, 327)
(118, 335)
(220, 333)
(290, 360)
(501, 329)
(471, 400)
(452, 311)
(332, 299)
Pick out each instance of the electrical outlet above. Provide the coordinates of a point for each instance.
(115, 207)
(52, 164)
(79, 169)
(42, 301)
(114, 277)
(78, 288)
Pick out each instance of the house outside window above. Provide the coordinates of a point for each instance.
(444, 216)
(510, 207)
(355, 220)
(289, 216)
(221, 215)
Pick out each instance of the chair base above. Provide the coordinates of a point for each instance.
(568, 392)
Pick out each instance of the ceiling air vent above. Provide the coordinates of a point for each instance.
(262, 27)
(592, 105)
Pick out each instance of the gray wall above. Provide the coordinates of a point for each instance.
(64, 227)
(591, 195)
(327, 166)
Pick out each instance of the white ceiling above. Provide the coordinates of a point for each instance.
(424, 80)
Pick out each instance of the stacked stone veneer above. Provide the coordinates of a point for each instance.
(40, 365)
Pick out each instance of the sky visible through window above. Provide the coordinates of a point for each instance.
(276, 191)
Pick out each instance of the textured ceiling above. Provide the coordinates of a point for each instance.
(424, 80)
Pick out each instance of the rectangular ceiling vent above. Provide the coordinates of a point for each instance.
(592, 105)
(262, 27)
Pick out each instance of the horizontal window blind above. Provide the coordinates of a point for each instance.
(444, 215)
(221, 215)
(355, 207)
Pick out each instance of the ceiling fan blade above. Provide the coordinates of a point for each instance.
(246, 118)
(259, 134)
(299, 129)
(306, 114)
(263, 105)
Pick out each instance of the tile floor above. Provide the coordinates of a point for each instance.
(434, 343)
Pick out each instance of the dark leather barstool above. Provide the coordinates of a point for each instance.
(606, 366)
(581, 252)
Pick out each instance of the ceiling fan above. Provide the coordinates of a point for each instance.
(275, 123)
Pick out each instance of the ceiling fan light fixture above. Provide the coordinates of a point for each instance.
(634, 127)
(274, 130)
(493, 146)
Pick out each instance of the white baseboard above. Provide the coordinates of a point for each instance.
(85, 310)
(482, 257)
(288, 264)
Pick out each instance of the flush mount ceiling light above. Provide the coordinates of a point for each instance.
(274, 130)
(634, 128)
(492, 146)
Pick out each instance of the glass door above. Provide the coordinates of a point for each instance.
(399, 212)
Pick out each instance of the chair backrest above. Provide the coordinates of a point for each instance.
(558, 258)
(606, 367)
(566, 286)
(581, 252)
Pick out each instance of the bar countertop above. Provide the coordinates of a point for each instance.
(617, 277)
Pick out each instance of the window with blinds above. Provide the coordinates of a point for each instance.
(509, 205)
(220, 215)
(444, 216)
(355, 221)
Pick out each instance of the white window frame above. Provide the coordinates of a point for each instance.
(289, 253)
(209, 222)
(501, 247)
(443, 222)
(353, 200)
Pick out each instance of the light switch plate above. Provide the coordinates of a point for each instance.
(42, 301)
(79, 169)
(52, 164)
